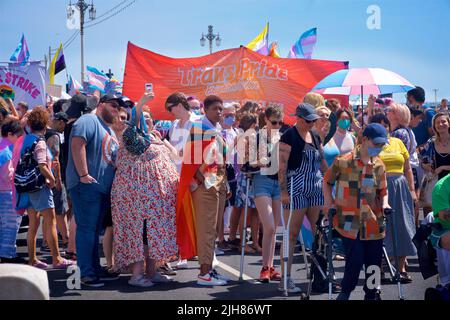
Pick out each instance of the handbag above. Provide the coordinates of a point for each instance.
(428, 183)
(135, 140)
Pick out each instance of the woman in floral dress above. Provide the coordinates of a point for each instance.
(143, 207)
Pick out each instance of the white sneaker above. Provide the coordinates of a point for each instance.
(140, 282)
(219, 276)
(218, 252)
(210, 280)
(182, 264)
(291, 287)
(161, 278)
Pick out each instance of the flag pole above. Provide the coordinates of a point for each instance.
(362, 106)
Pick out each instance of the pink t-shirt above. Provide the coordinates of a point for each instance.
(41, 155)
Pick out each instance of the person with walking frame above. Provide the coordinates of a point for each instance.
(361, 198)
(300, 159)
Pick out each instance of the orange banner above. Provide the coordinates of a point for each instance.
(235, 75)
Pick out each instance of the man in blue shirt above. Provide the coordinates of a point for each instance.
(424, 130)
(89, 177)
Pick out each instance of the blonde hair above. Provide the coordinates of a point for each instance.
(438, 115)
(323, 108)
(402, 112)
(314, 99)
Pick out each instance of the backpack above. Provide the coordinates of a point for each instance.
(28, 177)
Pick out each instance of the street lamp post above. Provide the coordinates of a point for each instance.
(210, 36)
(82, 7)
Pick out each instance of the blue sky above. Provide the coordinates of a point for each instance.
(414, 39)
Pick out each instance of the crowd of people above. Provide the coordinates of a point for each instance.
(103, 168)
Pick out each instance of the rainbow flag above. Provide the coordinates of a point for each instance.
(96, 79)
(261, 43)
(57, 65)
(21, 54)
(185, 218)
(273, 50)
(304, 47)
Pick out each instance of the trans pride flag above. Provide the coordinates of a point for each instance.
(261, 43)
(96, 79)
(21, 54)
(304, 47)
(74, 86)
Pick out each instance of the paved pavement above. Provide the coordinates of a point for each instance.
(184, 287)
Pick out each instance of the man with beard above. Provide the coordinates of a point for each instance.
(89, 177)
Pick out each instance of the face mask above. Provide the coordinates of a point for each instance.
(373, 152)
(344, 124)
(229, 120)
(197, 112)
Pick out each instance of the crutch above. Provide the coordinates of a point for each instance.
(244, 226)
(390, 266)
(397, 278)
(286, 236)
(331, 213)
(314, 253)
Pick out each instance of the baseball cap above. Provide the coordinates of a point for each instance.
(61, 116)
(306, 111)
(112, 98)
(377, 133)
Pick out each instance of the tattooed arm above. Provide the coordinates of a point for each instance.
(53, 145)
(284, 152)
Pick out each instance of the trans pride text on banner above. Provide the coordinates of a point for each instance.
(232, 77)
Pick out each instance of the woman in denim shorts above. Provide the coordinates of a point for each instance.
(267, 190)
(40, 203)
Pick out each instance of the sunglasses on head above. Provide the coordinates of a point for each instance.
(274, 123)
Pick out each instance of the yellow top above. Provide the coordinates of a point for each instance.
(394, 155)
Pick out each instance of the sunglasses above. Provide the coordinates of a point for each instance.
(123, 118)
(274, 123)
(310, 121)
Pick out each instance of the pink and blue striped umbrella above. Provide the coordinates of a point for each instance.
(358, 81)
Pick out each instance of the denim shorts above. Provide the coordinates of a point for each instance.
(265, 186)
(41, 200)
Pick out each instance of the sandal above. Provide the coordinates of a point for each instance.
(405, 277)
(248, 249)
(63, 265)
(40, 265)
(257, 248)
(142, 282)
(71, 256)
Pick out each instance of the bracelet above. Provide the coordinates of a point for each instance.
(84, 175)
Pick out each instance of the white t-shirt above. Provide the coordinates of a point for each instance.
(345, 142)
(178, 136)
